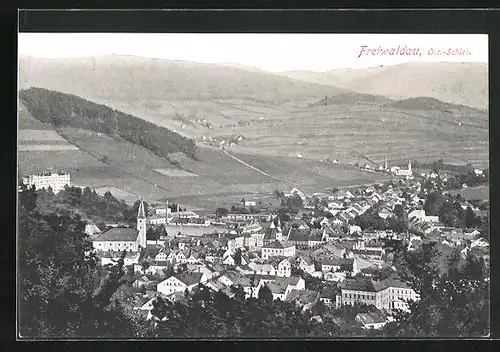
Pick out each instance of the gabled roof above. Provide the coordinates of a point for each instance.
(277, 244)
(119, 234)
(328, 292)
(302, 296)
(190, 278)
(276, 260)
(371, 318)
(338, 261)
(298, 235)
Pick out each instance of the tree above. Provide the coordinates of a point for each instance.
(220, 212)
(28, 197)
(237, 257)
(470, 219)
(265, 294)
(151, 234)
(461, 296)
(63, 290)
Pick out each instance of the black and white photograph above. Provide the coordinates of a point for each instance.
(252, 186)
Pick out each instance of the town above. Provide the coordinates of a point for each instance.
(321, 252)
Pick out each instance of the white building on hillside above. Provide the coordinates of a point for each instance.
(55, 180)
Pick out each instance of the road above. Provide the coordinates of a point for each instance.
(256, 169)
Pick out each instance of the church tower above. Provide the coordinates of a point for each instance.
(141, 225)
(385, 163)
(409, 165)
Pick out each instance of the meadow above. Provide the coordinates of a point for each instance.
(474, 193)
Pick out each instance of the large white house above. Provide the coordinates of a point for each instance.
(181, 283)
(278, 249)
(55, 180)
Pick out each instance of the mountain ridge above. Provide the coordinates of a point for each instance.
(452, 82)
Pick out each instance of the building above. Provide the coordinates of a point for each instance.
(121, 239)
(278, 249)
(387, 294)
(372, 320)
(305, 299)
(330, 297)
(55, 180)
(180, 283)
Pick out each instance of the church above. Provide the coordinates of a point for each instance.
(121, 239)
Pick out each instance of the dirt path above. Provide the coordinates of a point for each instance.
(256, 169)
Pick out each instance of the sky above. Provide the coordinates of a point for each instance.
(270, 52)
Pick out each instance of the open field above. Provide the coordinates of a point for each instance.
(45, 147)
(346, 132)
(39, 135)
(175, 173)
(474, 193)
(118, 193)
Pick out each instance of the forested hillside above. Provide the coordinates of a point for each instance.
(61, 109)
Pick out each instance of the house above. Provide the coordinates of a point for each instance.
(230, 260)
(306, 264)
(296, 191)
(281, 266)
(254, 240)
(253, 227)
(262, 268)
(361, 264)
(385, 213)
(303, 298)
(480, 242)
(235, 241)
(278, 249)
(354, 229)
(336, 250)
(372, 320)
(112, 258)
(329, 295)
(143, 281)
(282, 286)
(194, 257)
(178, 256)
(337, 264)
(181, 283)
(162, 256)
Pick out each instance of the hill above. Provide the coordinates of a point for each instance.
(457, 83)
(130, 78)
(103, 160)
(273, 117)
(62, 110)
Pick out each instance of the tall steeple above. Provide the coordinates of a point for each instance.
(385, 163)
(409, 164)
(141, 225)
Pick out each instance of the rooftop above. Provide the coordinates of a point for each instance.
(371, 318)
(122, 234)
(190, 278)
(278, 244)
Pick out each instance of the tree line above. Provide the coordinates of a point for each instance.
(63, 290)
(60, 109)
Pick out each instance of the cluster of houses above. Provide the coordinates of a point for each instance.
(263, 250)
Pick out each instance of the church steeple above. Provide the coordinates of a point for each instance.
(409, 165)
(141, 225)
(141, 214)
